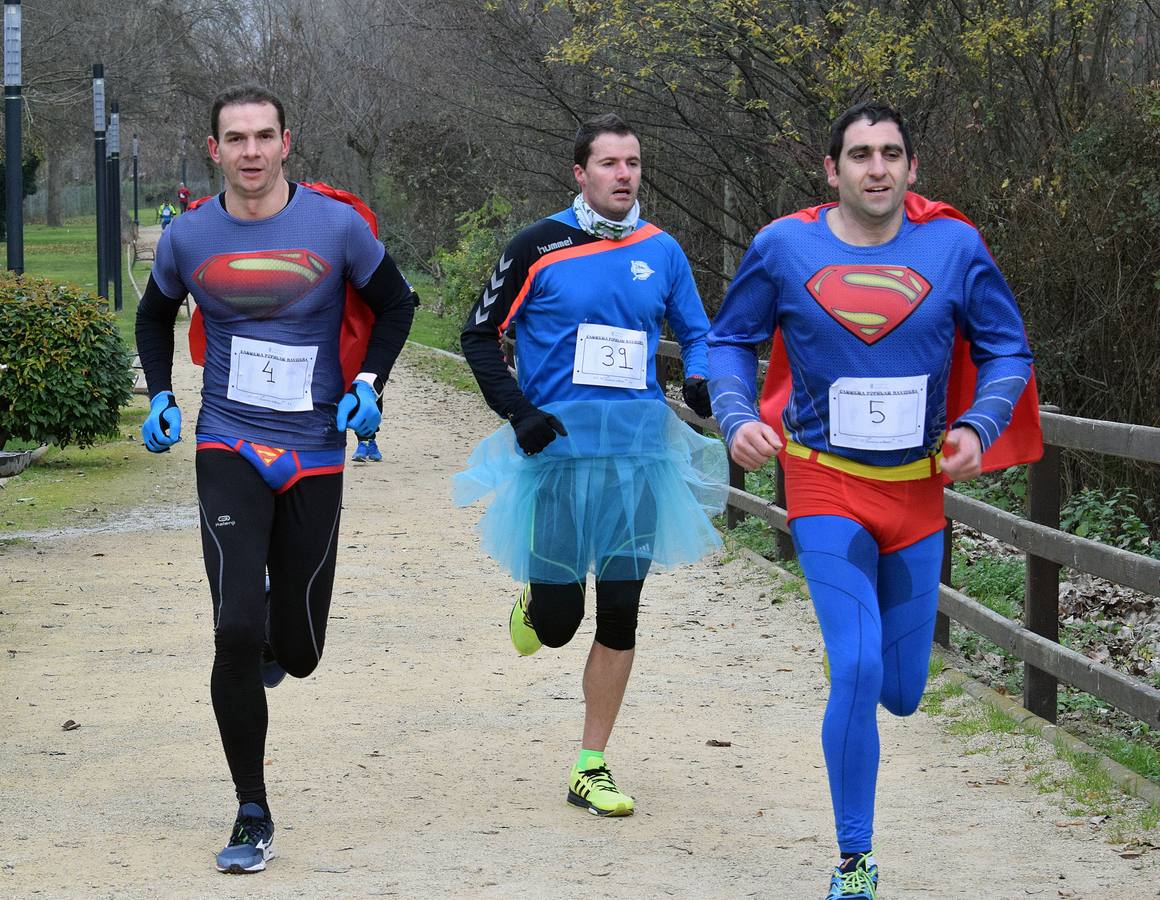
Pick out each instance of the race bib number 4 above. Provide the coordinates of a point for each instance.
(878, 413)
(271, 375)
(610, 356)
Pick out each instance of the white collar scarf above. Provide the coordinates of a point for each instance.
(597, 225)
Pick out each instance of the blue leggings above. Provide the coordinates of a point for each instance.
(877, 616)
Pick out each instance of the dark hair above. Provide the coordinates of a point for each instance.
(244, 93)
(609, 123)
(873, 112)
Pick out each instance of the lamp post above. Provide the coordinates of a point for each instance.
(115, 203)
(99, 153)
(13, 154)
(136, 153)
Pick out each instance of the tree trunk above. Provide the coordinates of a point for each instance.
(52, 216)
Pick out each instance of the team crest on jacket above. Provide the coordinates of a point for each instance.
(868, 301)
(640, 270)
(260, 283)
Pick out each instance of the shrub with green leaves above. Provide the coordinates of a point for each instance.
(483, 233)
(1110, 518)
(67, 370)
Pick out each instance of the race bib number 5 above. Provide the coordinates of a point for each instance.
(878, 413)
(272, 375)
(610, 356)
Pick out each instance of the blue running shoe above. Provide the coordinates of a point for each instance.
(251, 842)
(373, 454)
(361, 452)
(859, 882)
(272, 671)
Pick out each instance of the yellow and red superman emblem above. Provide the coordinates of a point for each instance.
(868, 301)
(260, 283)
(268, 455)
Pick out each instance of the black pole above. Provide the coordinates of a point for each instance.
(99, 154)
(115, 204)
(13, 151)
(136, 151)
(107, 224)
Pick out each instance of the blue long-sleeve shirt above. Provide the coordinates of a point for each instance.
(551, 279)
(888, 311)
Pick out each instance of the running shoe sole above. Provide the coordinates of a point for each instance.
(576, 800)
(238, 869)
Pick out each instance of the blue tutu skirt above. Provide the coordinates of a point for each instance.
(631, 486)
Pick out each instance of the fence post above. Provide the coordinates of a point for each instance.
(734, 516)
(1041, 588)
(785, 549)
(942, 622)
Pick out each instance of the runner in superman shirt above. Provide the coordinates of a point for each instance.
(595, 472)
(864, 299)
(268, 262)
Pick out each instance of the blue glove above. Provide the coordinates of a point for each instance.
(358, 411)
(162, 428)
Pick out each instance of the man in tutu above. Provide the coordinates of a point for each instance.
(868, 395)
(594, 472)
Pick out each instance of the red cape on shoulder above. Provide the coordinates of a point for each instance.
(1020, 442)
(357, 318)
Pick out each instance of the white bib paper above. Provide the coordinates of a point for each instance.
(272, 375)
(878, 413)
(610, 356)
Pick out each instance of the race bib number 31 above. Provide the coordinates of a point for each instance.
(878, 413)
(271, 375)
(610, 356)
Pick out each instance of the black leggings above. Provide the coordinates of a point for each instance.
(247, 529)
(556, 611)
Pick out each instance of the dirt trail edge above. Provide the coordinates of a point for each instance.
(425, 759)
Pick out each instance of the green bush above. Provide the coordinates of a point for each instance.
(483, 233)
(67, 372)
(1005, 490)
(1108, 518)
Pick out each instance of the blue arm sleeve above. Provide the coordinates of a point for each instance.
(686, 315)
(164, 271)
(745, 320)
(999, 349)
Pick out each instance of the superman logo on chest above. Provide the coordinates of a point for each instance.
(868, 301)
(262, 283)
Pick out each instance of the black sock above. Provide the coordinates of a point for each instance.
(262, 803)
(849, 860)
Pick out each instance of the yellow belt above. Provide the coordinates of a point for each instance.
(914, 471)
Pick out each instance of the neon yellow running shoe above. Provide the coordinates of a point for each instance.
(520, 628)
(595, 791)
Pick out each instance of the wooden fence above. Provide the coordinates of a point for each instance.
(1036, 640)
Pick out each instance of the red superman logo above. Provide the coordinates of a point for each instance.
(260, 283)
(868, 301)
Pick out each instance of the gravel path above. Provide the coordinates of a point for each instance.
(425, 759)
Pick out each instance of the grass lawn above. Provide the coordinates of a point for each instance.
(430, 329)
(69, 254)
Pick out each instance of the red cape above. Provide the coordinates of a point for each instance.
(1020, 442)
(357, 318)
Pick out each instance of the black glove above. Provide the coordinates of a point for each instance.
(535, 429)
(696, 393)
